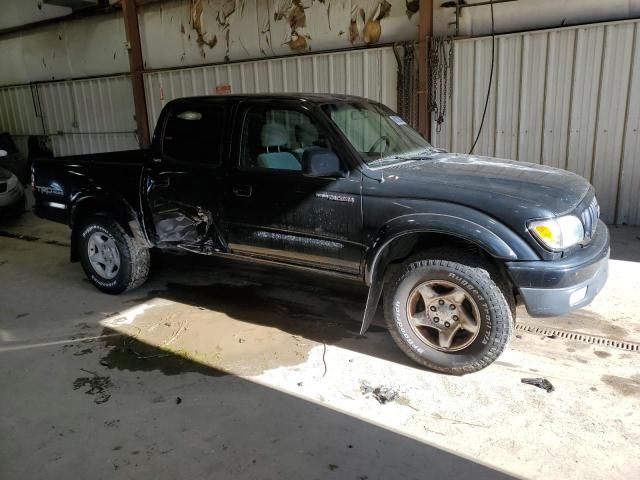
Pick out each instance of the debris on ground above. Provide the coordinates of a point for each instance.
(382, 394)
(97, 385)
(542, 383)
(178, 400)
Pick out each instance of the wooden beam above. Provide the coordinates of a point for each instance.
(136, 66)
(425, 31)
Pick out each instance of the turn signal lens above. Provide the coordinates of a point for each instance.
(544, 232)
(558, 233)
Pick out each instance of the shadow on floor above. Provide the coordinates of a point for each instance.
(140, 411)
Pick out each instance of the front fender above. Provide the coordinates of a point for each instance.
(466, 223)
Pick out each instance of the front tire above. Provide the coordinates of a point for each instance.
(113, 261)
(449, 311)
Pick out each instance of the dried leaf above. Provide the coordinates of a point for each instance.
(297, 43)
(384, 9)
(296, 16)
(372, 31)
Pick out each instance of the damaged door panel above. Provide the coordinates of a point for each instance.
(183, 185)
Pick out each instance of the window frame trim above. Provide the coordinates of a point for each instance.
(195, 107)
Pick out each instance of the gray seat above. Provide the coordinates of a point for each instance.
(273, 137)
(306, 135)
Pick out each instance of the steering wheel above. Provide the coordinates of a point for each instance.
(383, 138)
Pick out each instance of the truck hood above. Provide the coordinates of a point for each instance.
(480, 181)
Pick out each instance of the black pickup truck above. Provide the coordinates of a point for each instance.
(343, 186)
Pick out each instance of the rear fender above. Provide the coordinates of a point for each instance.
(114, 207)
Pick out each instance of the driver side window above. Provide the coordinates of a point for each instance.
(277, 139)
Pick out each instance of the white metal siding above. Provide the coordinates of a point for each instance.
(567, 98)
(89, 116)
(369, 73)
(80, 116)
(97, 115)
(18, 115)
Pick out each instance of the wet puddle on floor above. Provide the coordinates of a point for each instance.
(127, 353)
(242, 329)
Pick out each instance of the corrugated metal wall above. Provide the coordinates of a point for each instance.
(97, 115)
(80, 116)
(370, 73)
(568, 98)
(19, 115)
(89, 116)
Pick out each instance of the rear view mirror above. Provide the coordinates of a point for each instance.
(3, 153)
(321, 162)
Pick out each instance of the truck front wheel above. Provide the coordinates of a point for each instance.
(449, 311)
(112, 260)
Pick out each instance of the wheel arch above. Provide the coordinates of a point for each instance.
(113, 207)
(407, 234)
(495, 239)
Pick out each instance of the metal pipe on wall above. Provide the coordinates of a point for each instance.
(425, 31)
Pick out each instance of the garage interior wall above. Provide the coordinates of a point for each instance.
(370, 73)
(568, 98)
(96, 115)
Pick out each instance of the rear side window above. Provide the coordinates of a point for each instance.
(277, 138)
(195, 135)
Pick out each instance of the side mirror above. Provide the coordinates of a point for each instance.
(3, 153)
(321, 162)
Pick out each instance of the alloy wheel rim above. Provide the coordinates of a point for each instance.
(104, 255)
(443, 315)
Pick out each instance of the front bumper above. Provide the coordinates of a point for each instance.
(551, 288)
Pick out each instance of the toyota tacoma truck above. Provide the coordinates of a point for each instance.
(342, 186)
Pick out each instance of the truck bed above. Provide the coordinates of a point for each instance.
(61, 182)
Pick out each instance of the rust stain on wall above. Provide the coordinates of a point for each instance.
(197, 23)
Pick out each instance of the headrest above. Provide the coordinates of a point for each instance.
(306, 133)
(274, 135)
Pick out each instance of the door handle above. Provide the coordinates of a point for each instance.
(242, 190)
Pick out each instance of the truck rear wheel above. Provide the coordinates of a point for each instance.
(449, 311)
(112, 260)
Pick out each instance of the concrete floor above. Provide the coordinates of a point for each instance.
(227, 371)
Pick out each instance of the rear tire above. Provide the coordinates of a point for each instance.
(113, 261)
(449, 311)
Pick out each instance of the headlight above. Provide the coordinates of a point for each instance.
(12, 182)
(558, 233)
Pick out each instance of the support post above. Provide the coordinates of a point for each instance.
(425, 31)
(136, 66)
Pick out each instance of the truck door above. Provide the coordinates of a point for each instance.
(276, 212)
(182, 181)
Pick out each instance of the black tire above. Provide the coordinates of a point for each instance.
(484, 285)
(135, 259)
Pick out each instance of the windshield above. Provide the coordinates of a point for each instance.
(379, 135)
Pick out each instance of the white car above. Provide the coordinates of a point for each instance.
(11, 192)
